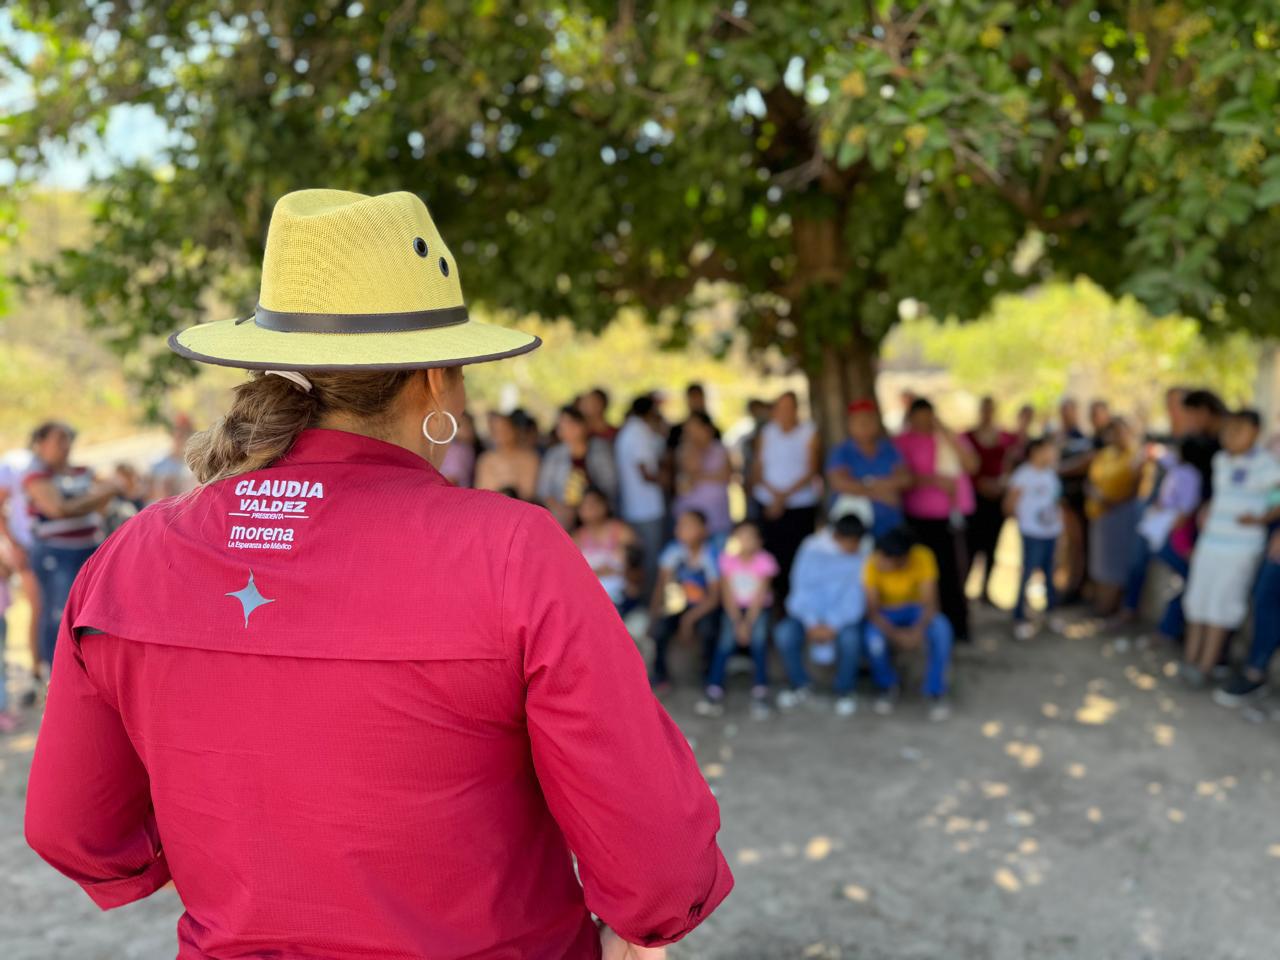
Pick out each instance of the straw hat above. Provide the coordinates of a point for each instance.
(351, 282)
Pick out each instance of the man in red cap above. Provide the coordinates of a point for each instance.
(868, 466)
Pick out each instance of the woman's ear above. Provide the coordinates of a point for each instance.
(444, 388)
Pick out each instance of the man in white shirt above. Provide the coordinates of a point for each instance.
(1232, 541)
(639, 447)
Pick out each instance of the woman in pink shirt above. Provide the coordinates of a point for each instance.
(496, 728)
(938, 501)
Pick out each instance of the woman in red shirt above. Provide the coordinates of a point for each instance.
(349, 709)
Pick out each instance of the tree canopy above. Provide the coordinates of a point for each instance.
(823, 161)
(1098, 347)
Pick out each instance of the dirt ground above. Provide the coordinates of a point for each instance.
(1078, 805)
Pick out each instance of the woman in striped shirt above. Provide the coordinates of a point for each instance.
(65, 505)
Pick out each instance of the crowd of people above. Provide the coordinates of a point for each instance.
(850, 560)
(858, 558)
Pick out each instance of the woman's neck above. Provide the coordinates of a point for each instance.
(401, 431)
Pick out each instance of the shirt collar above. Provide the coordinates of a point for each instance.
(318, 445)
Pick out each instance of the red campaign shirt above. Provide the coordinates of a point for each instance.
(356, 712)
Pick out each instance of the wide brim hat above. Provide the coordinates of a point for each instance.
(353, 282)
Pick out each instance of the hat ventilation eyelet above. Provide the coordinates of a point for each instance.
(419, 246)
(444, 266)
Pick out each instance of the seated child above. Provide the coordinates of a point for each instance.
(1231, 544)
(607, 544)
(686, 598)
(901, 580)
(1033, 498)
(746, 575)
(824, 609)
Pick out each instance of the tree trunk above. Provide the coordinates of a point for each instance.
(841, 375)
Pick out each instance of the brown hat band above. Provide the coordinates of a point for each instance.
(282, 322)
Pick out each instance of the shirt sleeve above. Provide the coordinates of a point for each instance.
(800, 601)
(711, 564)
(870, 580)
(89, 812)
(669, 558)
(902, 446)
(617, 773)
(836, 458)
(1272, 472)
(924, 564)
(769, 564)
(550, 477)
(604, 469)
(726, 564)
(1187, 485)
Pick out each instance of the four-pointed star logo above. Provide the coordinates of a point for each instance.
(250, 598)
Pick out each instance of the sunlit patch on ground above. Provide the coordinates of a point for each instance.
(823, 951)
(819, 848)
(1096, 710)
(1028, 755)
(1007, 880)
(1141, 680)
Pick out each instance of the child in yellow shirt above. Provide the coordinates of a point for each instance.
(901, 581)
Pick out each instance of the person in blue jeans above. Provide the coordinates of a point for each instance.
(901, 582)
(1250, 684)
(824, 612)
(746, 577)
(66, 503)
(1034, 498)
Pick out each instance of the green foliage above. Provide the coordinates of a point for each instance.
(826, 159)
(1074, 339)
